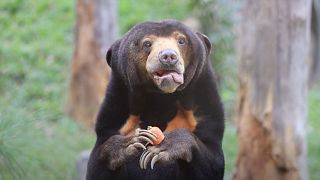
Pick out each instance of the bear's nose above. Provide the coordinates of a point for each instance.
(168, 57)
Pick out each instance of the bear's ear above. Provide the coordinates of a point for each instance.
(206, 41)
(110, 53)
(109, 56)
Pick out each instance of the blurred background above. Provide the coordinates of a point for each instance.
(52, 57)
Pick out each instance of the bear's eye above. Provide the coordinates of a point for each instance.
(147, 44)
(181, 41)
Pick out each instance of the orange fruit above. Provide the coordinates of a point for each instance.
(158, 133)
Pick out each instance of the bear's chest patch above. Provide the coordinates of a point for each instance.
(182, 119)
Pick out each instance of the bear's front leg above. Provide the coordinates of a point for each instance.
(119, 149)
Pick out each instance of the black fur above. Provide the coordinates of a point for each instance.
(198, 93)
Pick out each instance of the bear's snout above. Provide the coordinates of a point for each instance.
(168, 57)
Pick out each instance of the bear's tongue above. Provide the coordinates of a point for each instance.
(169, 76)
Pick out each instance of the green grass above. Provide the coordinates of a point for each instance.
(33, 148)
(37, 139)
(313, 134)
(230, 144)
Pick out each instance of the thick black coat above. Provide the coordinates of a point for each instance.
(198, 93)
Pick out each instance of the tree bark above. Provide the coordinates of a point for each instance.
(273, 52)
(95, 31)
(315, 43)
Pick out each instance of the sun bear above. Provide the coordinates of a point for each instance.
(161, 76)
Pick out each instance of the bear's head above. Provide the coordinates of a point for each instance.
(163, 56)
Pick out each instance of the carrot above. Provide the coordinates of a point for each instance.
(158, 133)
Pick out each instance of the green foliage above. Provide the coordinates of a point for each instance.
(216, 17)
(132, 12)
(37, 140)
(313, 133)
(230, 148)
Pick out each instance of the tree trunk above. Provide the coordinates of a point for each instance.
(315, 43)
(95, 31)
(273, 51)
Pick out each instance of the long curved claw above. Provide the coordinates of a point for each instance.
(141, 157)
(154, 160)
(133, 148)
(137, 144)
(143, 138)
(145, 153)
(147, 131)
(147, 159)
(147, 134)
